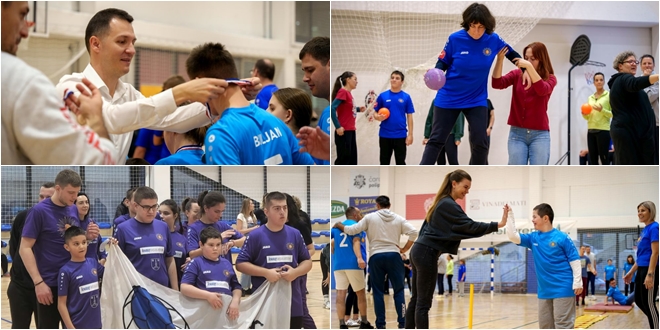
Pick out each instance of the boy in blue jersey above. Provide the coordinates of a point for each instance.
(616, 295)
(349, 260)
(243, 134)
(393, 135)
(558, 269)
(209, 276)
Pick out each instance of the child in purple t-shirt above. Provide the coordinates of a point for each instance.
(209, 276)
(78, 284)
(275, 251)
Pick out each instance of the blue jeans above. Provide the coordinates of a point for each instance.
(389, 263)
(528, 146)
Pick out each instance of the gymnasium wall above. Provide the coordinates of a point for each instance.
(249, 180)
(602, 197)
(177, 26)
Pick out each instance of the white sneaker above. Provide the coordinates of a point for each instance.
(352, 323)
(326, 305)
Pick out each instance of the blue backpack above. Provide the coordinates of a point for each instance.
(149, 311)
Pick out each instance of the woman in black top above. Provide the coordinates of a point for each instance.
(444, 227)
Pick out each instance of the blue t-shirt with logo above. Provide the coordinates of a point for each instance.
(469, 62)
(263, 98)
(191, 156)
(461, 271)
(649, 235)
(400, 104)
(324, 123)
(344, 257)
(609, 271)
(250, 136)
(553, 251)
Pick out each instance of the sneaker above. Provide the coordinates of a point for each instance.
(352, 323)
(583, 304)
(343, 327)
(326, 305)
(366, 325)
(577, 303)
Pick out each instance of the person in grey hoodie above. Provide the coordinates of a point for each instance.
(384, 229)
(632, 128)
(444, 227)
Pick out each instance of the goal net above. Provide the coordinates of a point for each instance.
(373, 39)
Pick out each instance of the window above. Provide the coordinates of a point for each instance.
(312, 20)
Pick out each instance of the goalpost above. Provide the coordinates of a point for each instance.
(373, 39)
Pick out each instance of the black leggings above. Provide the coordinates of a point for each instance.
(645, 298)
(632, 288)
(449, 277)
(351, 302)
(324, 269)
(346, 148)
(599, 146)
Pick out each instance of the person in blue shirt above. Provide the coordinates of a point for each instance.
(264, 69)
(647, 264)
(467, 58)
(610, 272)
(145, 146)
(186, 148)
(616, 295)
(462, 274)
(349, 262)
(324, 124)
(630, 262)
(558, 267)
(393, 135)
(243, 134)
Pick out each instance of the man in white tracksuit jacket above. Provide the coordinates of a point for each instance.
(384, 229)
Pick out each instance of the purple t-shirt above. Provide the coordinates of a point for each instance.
(46, 223)
(147, 245)
(214, 276)
(196, 228)
(79, 282)
(268, 249)
(118, 221)
(178, 243)
(93, 247)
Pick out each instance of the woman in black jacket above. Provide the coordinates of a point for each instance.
(444, 227)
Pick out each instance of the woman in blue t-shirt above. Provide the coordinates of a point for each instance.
(467, 58)
(647, 264)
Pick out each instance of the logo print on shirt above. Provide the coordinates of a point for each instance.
(155, 264)
(159, 237)
(400, 100)
(94, 301)
(553, 244)
(211, 138)
(65, 223)
(179, 244)
(442, 55)
(226, 272)
(94, 271)
(487, 51)
(289, 246)
(465, 52)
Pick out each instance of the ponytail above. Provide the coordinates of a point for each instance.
(340, 82)
(445, 189)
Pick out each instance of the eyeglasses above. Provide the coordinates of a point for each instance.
(149, 208)
(631, 62)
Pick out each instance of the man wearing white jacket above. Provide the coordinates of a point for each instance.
(557, 263)
(109, 38)
(384, 229)
(36, 129)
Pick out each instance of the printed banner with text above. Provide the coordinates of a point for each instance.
(364, 182)
(365, 204)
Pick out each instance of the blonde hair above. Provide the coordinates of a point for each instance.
(245, 208)
(445, 189)
(649, 206)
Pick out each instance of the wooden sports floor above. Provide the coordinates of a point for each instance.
(504, 311)
(314, 299)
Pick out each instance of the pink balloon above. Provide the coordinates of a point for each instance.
(434, 79)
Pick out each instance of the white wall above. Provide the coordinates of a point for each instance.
(177, 26)
(598, 197)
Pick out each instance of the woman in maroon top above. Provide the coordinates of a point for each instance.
(343, 118)
(529, 137)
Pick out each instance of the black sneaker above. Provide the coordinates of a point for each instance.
(366, 325)
(583, 304)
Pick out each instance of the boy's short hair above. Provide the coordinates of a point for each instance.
(144, 193)
(398, 73)
(211, 60)
(383, 201)
(609, 259)
(274, 196)
(544, 209)
(208, 233)
(612, 279)
(72, 232)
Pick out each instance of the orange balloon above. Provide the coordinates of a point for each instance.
(586, 109)
(384, 112)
